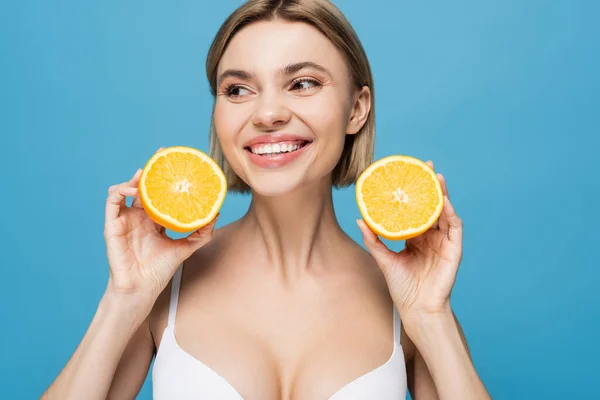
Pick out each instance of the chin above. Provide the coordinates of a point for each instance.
(275, 184)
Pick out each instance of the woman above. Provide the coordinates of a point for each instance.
(280, 304)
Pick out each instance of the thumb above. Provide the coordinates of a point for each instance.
(376, 247)
(195, 240)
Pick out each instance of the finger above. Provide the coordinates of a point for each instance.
(376, 247)
(442, 220)
(134, 182)
(195, 240)
(136, 200)
(430, 164)
(203, 232)
(117, 195)
(418, 242)
(452, 225)
(436, 224)
(442, 180)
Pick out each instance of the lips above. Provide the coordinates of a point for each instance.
(272, 151)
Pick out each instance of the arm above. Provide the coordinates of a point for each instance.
(420, 279)
(113, 358)
(134, 365)
(451, 367)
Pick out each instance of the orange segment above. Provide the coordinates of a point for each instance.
(399, 197)
(182, 188)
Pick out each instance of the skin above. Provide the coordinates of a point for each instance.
(260, 282)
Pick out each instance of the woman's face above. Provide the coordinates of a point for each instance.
(284, 106)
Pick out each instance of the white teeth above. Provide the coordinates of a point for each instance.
(276, 148)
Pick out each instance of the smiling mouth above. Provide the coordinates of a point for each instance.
(276, 149)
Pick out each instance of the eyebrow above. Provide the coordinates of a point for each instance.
(295, 67)
(236, 73)
(289, 69)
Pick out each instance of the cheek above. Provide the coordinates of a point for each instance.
(229, 121)
(226, 122)
(325, 112)
(327, 117)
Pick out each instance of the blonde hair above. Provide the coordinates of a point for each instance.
(327, 18)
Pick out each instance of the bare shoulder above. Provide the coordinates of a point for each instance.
(203, 257)
(368, 266)
(368, 261)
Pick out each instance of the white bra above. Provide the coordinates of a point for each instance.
(178, 375)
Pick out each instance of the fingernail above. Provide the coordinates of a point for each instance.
(360, 225)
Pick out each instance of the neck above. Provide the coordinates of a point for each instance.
(295, 230)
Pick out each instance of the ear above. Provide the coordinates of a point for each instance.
(360, 111)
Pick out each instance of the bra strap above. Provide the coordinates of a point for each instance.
(397, 326)
(175, 284)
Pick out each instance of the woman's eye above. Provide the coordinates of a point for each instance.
(305, 84)
(236, 91)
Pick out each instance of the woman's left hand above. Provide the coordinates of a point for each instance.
(420, 277)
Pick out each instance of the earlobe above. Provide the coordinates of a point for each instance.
(360, 111)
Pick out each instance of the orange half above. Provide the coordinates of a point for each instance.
(182, 188)
(399, 197)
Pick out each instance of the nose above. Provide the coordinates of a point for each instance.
(271, 111)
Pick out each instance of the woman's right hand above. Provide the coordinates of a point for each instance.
(142, 258)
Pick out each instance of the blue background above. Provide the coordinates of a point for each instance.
(502, 95)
